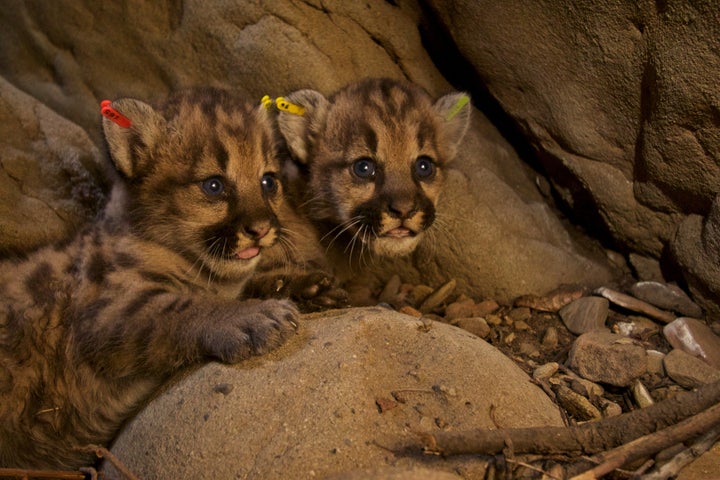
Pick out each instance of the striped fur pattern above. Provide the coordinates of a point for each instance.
(374, 156)
(90, 329)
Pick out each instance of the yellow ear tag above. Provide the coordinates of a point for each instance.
(462, 101)
(266, 101)
(288, 107)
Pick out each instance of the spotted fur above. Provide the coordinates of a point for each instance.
(373, 158)
(89, 330)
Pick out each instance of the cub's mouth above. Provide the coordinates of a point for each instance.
(399, 232)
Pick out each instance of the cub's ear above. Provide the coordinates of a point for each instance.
(128, 146)
(454, 111)
(300, 131)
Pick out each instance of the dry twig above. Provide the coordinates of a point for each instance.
(585, 439)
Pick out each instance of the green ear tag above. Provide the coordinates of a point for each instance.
(462, 101)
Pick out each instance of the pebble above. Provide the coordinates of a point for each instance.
(666, 296)
(641, 395)
(543, 372)
(390, 291)
(577, 405)
(436, 298)
(689, 371)
(485, 308)
(550, 338)
(585, 314)
(520, 314)
(461, 309)
(655, 362)
(420, 293)
(475, 325)
(605, 357)
(413, 312)
(636, 327)
(493, 320)
(632, 303)
(610, 408)
(521, 326)
(553, 301)
(695, 338)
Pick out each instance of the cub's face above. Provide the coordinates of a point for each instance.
(376, 153)
(201, 173)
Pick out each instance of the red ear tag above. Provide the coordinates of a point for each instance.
(107, 111)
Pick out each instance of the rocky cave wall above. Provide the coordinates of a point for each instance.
(613, 106)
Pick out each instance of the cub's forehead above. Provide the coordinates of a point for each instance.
(381, 109)
(214, 132)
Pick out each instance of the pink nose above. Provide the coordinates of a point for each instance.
(257, 231)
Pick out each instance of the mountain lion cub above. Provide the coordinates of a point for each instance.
(90, 329)
(371, 163)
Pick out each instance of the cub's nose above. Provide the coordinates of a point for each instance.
(257, 231)
(401, 208)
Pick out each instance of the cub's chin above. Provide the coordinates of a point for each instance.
(393, 246)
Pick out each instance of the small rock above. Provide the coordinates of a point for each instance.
(475, 325)
(607, 358)
(390, 292)
(529, 349)
(550, 339)
(460, 309)
(436, 298)
(521, 326)
(689, 371)
(510, 338)
(632, 303)
(408, 310)
(543, 372)
(610, 408)
(485, 308)
(666, 296)
(384, 404)
(641, 395)
(493, 320)
(585, 387)
(553, 301)
(695, 338)
(655, 362)
(585, 314)
(520, 314)
(637, 327)
(577, 405)
(420, 293)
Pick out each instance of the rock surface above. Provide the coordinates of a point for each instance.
(50, 174)
(617, 100)
(333, 400)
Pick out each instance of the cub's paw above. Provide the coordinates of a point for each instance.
(315, 291)
(255, 329)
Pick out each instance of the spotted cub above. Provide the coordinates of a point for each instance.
(90, 329)
(371, 162)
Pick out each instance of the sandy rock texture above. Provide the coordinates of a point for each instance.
(497, 234)
(335, 400)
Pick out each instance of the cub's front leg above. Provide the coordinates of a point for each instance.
(154, 332)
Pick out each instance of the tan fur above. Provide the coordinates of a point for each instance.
(391, 127)
(90, 329)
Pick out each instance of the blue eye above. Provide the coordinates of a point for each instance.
(424, 167)
(363, 168)
(213, 186)
(269, 183)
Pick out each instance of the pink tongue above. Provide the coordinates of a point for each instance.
(248, 253)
